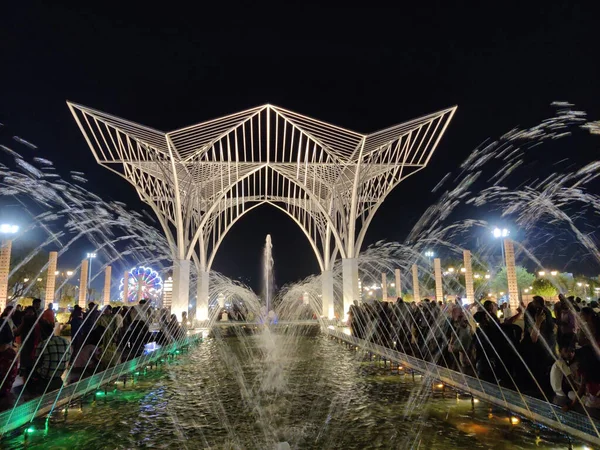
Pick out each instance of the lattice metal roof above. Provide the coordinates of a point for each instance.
(322, 175)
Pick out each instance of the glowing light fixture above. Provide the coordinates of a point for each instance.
(515, 420)
(500, 232)
(463, 269)
(553, 273)
(6, 228)
(451, 269)
(541, 273)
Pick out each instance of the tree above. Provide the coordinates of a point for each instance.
(31, 271)
(544, 288)
(524, 279)
(66, 301)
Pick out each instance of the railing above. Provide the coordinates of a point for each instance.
(24, 413)
(536, 410)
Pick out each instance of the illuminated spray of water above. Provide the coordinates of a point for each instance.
(545, 205)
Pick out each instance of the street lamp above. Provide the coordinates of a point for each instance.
(541, 273)
(90, 256)
(451, 269)
(553, 273)
(497, 232)
(6, 228)
(429, 254)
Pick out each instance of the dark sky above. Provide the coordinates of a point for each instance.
(361, 68)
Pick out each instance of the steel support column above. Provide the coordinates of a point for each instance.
(327, 298)
(202, 296)
(350, 284)
(181, 287)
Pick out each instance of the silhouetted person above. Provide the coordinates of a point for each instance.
(51, 354)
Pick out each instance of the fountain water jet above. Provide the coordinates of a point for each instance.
(268, 282)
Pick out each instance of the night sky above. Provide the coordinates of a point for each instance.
(362, 69)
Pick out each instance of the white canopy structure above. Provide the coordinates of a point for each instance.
(200, 180)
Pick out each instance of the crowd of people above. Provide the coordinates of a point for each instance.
(32, 349)
(546, 350)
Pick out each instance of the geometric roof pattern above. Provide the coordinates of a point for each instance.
(201, 179)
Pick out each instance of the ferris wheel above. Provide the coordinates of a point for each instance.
(142, 282)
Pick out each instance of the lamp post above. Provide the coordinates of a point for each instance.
(429, 254)
(501, 233)
(90, 257)
(6, 230)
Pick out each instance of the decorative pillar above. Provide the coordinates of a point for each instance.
(167, 293)
(125, 286)
(398, 283)
(511, 274)
(468, 276)
(327, 294)
(415, 276)
(384, 287)
(4, 271)
(51, 278)
(439, 287)
(350, 284)
(181, 287)
(107, 274)
(202, 296)
(83, 282)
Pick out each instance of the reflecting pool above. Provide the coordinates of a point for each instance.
(255, 391)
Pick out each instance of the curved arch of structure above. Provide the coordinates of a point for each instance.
(223, 235)
(228, 190)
